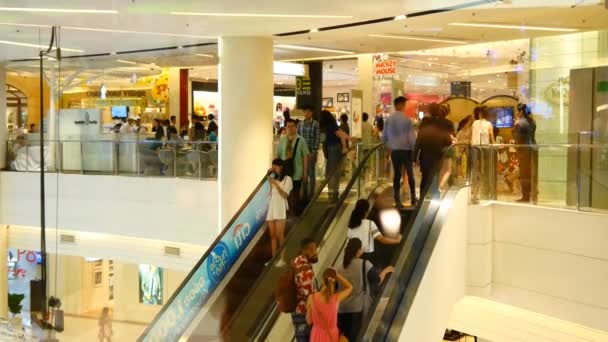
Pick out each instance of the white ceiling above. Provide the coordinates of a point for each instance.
(152, 18)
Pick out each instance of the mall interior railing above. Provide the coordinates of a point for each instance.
(143, 158)
(568, 176)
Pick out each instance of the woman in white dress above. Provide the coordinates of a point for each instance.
(280, 187)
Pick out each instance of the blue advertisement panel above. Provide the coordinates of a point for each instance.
(173, 322)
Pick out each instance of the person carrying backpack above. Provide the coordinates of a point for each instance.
(303, 279)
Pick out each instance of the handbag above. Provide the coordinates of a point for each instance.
(366, 300)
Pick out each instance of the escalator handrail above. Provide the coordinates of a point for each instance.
(263, 329)
(202, 259)
(216, 242)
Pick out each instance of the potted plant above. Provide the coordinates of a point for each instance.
(14, 306)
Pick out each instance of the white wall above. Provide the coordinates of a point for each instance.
(549, 261)
(126, 293)
(170, 209)
(443, 282)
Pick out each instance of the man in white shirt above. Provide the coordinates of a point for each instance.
(128, 127)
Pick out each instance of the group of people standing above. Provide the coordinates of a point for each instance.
(436, 132)
(293, 173)
(477, 131)
(337, 310)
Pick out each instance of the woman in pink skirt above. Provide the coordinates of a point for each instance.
(322, 307)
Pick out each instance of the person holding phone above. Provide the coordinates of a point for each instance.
(280, 187)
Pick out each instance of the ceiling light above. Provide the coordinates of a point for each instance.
(401, 17)
(75, 28)
(516, 27)
(26, 25)
(453, 41)
(125, 62)
(314, 30)
(310, 48)
(35, 46)
(264, 15)
(56, 10)
(205, 55)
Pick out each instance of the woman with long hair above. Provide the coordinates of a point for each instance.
(360, 227)
(365, 280)
(334, 148)
(322, 307)
(524, 134)
(280, 185)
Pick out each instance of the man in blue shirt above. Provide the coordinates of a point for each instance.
(400, 139)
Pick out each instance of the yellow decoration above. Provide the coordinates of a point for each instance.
(160, 89)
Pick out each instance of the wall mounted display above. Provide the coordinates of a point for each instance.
(343, 97)
(328, 102)
(150, 285)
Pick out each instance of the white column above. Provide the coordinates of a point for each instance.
(3, 272)
(52, 125)
(3, 131)
(174, 99)
(245, 118)
(366, 82)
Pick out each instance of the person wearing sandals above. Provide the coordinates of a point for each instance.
(322, 307)
(365, 280)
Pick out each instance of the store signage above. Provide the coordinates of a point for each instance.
(291, 69)
(303, 86)
(558, 93)
(460, 89)
(179, 313)
(118, 93)
(384, 67)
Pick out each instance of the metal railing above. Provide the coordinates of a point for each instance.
(143, 158)
(568, 176)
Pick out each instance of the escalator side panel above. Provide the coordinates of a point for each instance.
(175, 318)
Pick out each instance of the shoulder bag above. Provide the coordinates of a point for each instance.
(366, 300)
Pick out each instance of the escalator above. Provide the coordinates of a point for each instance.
(230, 290)
(420, 228)
(231, 297)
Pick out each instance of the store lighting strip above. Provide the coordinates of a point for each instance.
(263, 15)
(310, 48)
(74, 28)
(125, 62)
(515, 27)
(91, 29)
(35, 46)
(424, 39)
(56, 10)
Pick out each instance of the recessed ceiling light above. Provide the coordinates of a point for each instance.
(401, 17)
(314, 30)
(205, 55)
(56, 10)
(74, 28)
(125, 62)
(35, 46)
(437, 40)
(516, 27)
(310, 48)
(264, 15)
